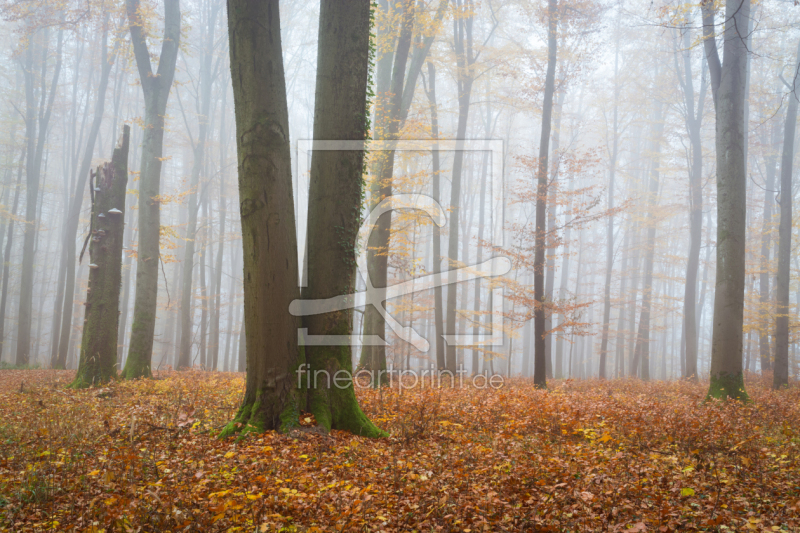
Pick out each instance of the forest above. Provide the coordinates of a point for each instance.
(399, 265)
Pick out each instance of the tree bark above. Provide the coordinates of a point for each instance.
(156, 89)
(334, 207)
(728, 80)
(269, 238)
(98, 359)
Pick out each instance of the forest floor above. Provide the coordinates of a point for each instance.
(583, 456)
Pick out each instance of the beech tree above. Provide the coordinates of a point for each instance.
(728, 80)
(275, 391)
(156, 88)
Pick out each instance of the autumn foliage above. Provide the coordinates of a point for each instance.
(584, 456)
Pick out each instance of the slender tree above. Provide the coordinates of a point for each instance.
(539, 362)
(728, 80)
(156, 88)
(693, 121)
(781, 374)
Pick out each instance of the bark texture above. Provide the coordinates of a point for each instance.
(269, 239)
(98, 359)
(728, 81)
(334, 206)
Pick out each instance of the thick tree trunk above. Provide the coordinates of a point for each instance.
(269, 238)
(781, 374)
(539, 361)
(334, 206)
(728, 82)
(156, 89)
(98, 359)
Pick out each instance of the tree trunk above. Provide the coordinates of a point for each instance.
(334, 208)
(438, 309)
(539, 362)
(100, 327)
(156, 89)
(781, 374)
(693, 123)
(269, 238)
(728, 82)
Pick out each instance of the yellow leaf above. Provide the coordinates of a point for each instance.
(94, 472)
(687, 492)
(254, 496)
(229, 455)
(605, 438)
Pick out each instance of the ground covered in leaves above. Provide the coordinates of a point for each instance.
(583, 456)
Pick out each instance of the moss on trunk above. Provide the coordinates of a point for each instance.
(727, 386)
(98, 356)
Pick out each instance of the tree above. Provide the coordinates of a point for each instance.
(269, 241)
(36, 129)
(780, 377)
(156, 88)
(539, 361)
(693, 120)
(728, 80)
(335, 201)
(98, 359)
